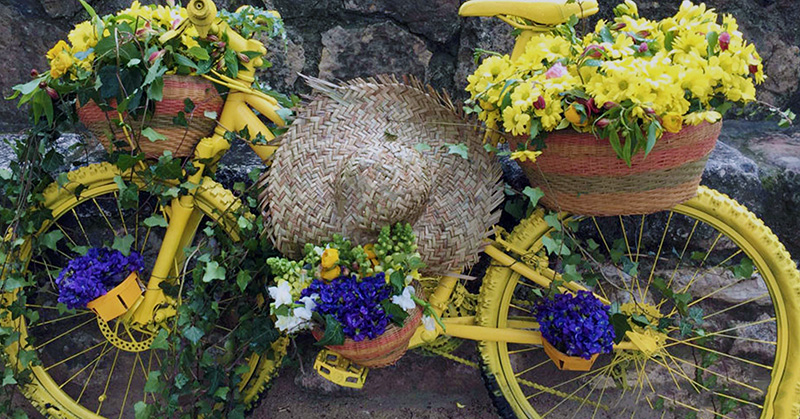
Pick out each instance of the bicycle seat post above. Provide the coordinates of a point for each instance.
(202, 14)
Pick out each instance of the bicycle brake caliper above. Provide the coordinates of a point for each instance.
(339, 370)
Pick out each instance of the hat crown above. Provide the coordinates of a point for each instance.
(379, 184)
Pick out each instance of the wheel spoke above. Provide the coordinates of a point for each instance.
(64, 334)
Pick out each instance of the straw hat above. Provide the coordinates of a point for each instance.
(375, 152)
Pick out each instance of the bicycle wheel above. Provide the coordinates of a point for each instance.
(89, 368)
(719, 285)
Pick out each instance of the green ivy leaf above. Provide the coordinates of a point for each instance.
(180, 380)
(459, 149)
(333, 332)
(533, 194)
(553, 221)
(555, 247)
(155, 221)
(51, 239)
(160, 341)
(8, 377)
(123, 244)
(143, 410)
(621, 326)
(153, 135)
(153, 382)
(213, 272)
(222, 393)
(185, 61)
(243, 278)
(193, 333)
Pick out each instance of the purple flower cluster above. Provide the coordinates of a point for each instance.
(577, 325)
(355, 303)
(92, 275)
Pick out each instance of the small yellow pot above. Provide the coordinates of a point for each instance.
(118, 299)
(566, 362)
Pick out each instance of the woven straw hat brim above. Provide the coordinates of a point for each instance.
(360, 138)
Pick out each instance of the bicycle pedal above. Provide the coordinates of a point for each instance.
(339, 370)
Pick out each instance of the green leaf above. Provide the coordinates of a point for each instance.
(243, 278)
(123, 244)
(126, 161)
(134, 62)
(422, 147)
(651, 137)
(155, 221)
(712, 38)
(50, 240)
(153, 135)
(621, 326)
(153, 382)
(333, 332)
(160, 341)
(459, 149)
(199, 53)
(744, 269)
(397, 314)
(533, 194)
(155, 91)
(213, 272)
(592, 63)
(571, 274)
(185, 61)
(553, 221)
(398, 281)
(640, 319)
(89, 9)
(8, 377)
(605, 35)
(142, 410)
(698, 255)
(193, 333)
(222, 393)
(180, 380)
(555, 246)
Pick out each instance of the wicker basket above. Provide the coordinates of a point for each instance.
(581, 174)
(384, 350)
(180, 140)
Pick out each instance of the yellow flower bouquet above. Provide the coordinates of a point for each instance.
(595, 106)
(629, 80)
(123, 68)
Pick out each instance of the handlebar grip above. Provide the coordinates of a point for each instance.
(202, 14)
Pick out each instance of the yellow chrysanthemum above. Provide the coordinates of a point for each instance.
(516, 121)
(672, 122)
(60, 59)
(82, 37)
(696, 118)
(525, 155)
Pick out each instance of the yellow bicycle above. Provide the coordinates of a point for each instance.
(709, 251)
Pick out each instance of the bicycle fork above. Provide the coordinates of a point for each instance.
(183, 222)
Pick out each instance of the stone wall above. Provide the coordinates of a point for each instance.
(343, 39)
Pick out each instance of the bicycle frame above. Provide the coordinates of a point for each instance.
(238, 115)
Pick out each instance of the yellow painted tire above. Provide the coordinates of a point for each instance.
(512, 387)
(215, 202)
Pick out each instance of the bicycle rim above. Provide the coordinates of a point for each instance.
(93, 369)
(741, 369)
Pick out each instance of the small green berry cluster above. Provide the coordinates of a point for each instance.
(396, 248)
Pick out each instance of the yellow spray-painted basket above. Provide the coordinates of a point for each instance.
(566, 362)
(118, 300)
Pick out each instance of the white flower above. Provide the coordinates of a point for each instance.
(404, 300)
(310, 302)
(287, 323)
(302, 313)
(282, 294)
(429, 322)
(318, 250)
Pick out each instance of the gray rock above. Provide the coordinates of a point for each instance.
(732, 173)
(435, 20)
(287, 62)
(382, 48)
(479, 33)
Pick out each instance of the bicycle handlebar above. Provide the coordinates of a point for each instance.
(202, 14)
